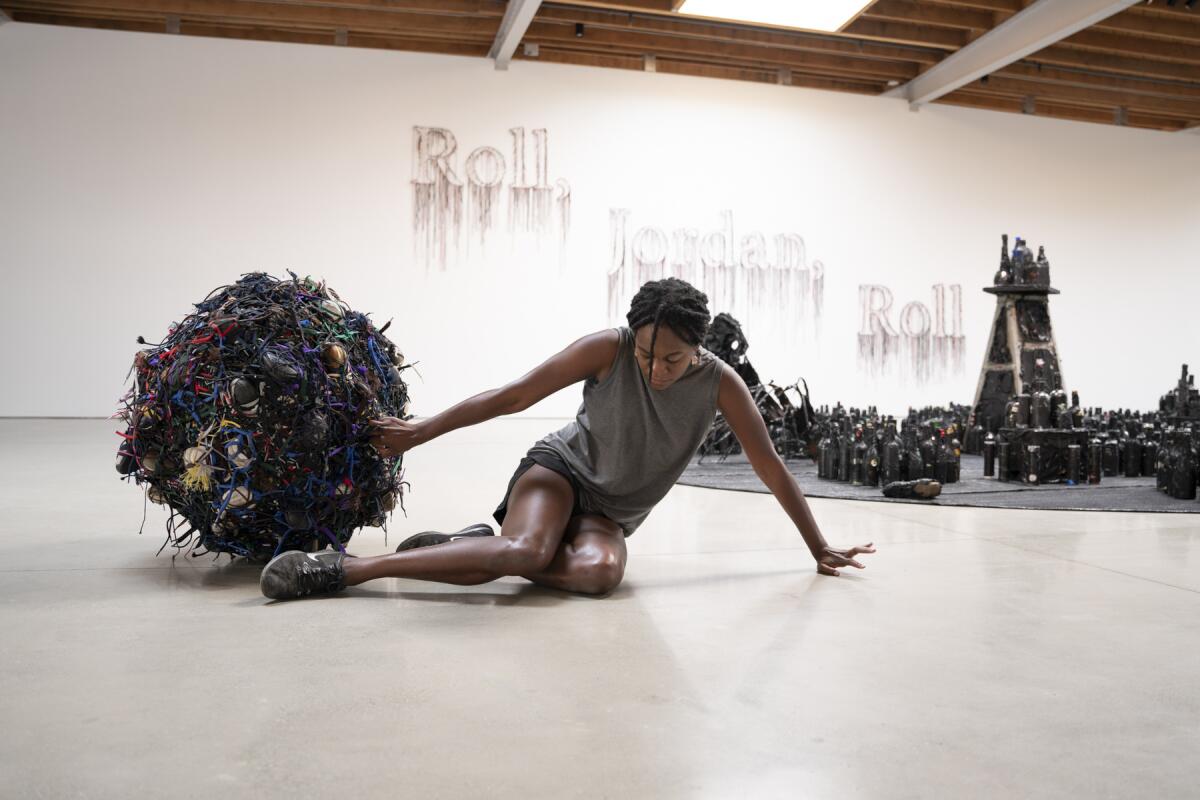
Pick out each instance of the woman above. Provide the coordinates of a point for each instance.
(650, 394)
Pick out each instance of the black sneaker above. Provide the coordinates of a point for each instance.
(429, 538)
(296, 574)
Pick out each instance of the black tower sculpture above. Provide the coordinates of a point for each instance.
(1021, 334)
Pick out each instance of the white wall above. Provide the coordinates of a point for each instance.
(139, 171)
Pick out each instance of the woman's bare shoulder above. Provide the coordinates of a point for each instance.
(606, 344)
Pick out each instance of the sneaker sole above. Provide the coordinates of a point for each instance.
(262, 575)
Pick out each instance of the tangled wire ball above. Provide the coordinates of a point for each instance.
(250, 421)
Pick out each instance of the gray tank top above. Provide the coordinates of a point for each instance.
(629, 443)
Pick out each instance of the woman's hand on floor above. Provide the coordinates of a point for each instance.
(832, 558)
(392, 436)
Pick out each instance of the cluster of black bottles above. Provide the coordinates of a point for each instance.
(862, 449)
(1022, 269)
(1115, 443)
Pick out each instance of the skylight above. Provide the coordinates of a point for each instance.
(813, 15)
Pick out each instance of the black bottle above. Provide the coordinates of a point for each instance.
(1095, 461)
(1043, 268)
(846, 447)
(871, 464)
(1002, 450)
(1182, 484)
(835, 450)
(857, 458)
(1163, 464)
(1039, 409)
(1111, 457)
(940, 462)
(928, 453)
(1074, 464)
(1033, 464)
(989, 456)
(1133, 457)
(1024, 402)
(1149, 455)
(955, 457)
(1122, 437)
(890, 459)
(823, 449)
(1059, 415)
(1076, 411)
(974, 439)
(1003, 274)
(916, 463)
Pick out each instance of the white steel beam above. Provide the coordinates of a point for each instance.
(516, 21)
(1038, 26)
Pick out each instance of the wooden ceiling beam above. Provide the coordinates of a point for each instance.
(1126, 119)
(418, 44)
(244, 12)
(722, 34)
(472, 8)
(700, 69)
(933, 14)
(1108, 42)
(678, 67)
(1090, 96)
(363, 40)
(1176, 27)
(817, 66)
(50, 18)
(1159, 8)
(642, 6)
(807, 72)
(908, 33)
(1042, 108)
(1004, 6)
(1083, 78)
(258, 33)
(1136, 120)
(494, 8)
(637, 42)
(1109, 62)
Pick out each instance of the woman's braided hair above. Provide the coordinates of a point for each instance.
(672, 302)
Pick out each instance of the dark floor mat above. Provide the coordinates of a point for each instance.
(1112, 494)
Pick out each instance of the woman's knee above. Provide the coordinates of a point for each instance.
(600, 573)
(524, 554)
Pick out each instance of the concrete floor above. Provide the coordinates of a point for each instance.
(982, 653)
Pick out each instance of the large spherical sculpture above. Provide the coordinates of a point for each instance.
(250, 421)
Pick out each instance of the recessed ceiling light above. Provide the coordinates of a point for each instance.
(813, 15)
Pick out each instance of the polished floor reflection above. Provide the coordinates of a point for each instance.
(982, 653)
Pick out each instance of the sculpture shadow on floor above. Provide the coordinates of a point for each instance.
(197, 573)
(529, 594)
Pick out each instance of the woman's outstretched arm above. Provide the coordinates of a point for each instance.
(581, 359)
(735, 402)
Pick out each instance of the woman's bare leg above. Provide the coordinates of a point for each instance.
(590, 559)
(539, 509)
